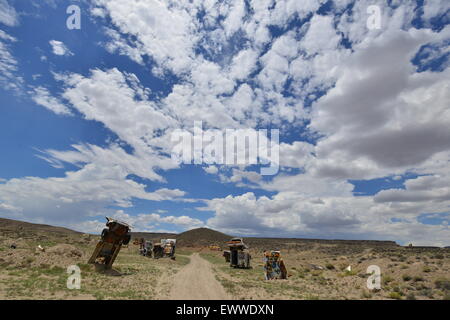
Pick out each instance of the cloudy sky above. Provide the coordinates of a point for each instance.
(359, 91)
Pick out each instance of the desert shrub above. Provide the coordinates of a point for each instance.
(387, 280)
(365, 295)
(418, 279)
(84, 267)
(347, 273)
(410, 296)
(442, 284)
(427, 293)
(406, 277)
(421, 286)
(30, 260)
(329, 266)
(316, 273)
(55, 270)
(426, 269)
(395, 295)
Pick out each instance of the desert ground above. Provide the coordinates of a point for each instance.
(317, 269)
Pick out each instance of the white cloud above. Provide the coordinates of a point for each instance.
(295, 216)
(436, 8)
(59, 48)
(243, 63)
(8, 14)
(233, 21)
(241, 175)
(211, 169)
(376, 117)
(87, 192)
(321, 36)
(8, 207)
(120, 45)
(118, 101)
(141, 163)
(42, 97)
(425, 189)
(151, 222)
(379, 123)
(166, 30)
(8, 64)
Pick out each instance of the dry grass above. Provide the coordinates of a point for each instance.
(426, 275)
(27, 273)
(317, 270)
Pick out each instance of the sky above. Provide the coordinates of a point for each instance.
(91, 93)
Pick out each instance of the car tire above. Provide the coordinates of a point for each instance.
(105, 233)
(126, 239)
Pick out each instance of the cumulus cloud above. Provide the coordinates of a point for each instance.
(211, 169)
(152, 222)
(368, 125)
(383, 123)
(437, 8)
(291, 214)
(166, 30)
(59, 48)
(349, 100)
(88, 192)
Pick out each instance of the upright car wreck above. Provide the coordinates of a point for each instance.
(165, 248)
(239, 256)
(274, 267)
(145, 248)
(112, 239)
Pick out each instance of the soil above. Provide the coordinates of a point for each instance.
(196, 281)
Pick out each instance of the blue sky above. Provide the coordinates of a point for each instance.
(360, 98)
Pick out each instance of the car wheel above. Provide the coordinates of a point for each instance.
(126, 239)
(104, 233)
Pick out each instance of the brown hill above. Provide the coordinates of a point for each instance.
(289, 242)
(201, 237)
(21, 228)
(153, 236)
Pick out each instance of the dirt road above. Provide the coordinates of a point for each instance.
(196, 281)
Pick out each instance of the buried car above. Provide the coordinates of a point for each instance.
(274, 267)
(112, 238)
(239, 256)
(165, 248)
(146, 248)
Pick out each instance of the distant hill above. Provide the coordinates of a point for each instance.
(193, 238)
(153, 236)
(288, 242)
(201, 237)
(21, 227)
(42, 233)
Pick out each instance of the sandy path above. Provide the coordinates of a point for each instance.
(196, 281)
